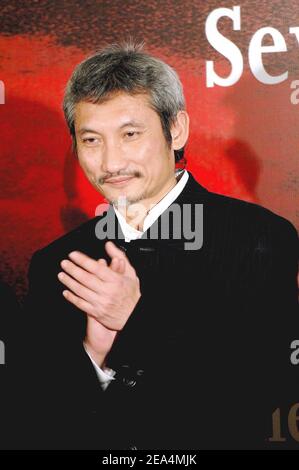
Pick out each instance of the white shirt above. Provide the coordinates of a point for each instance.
(130, 233)
(106, 375)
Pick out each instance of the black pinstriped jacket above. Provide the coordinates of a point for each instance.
(203, 361)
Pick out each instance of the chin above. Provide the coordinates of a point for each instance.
(128, 198)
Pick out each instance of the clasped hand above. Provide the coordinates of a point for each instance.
(106, 293)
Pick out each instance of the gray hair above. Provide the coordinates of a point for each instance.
(125, 67)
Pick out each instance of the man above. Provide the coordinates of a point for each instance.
(166, 322)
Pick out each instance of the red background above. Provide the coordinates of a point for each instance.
(244, 138)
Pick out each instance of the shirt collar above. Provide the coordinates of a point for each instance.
(129, 232)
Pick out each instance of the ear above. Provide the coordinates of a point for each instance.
(180, 130)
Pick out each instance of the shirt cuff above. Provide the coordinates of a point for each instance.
(105, 375)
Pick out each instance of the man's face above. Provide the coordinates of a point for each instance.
(122, 149)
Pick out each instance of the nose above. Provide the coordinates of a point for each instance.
(113, 158)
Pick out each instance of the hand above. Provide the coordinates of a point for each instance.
(99, 339)
(108, 294)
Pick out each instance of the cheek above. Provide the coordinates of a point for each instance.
(150, 153)
(88, 170)
(87, 162)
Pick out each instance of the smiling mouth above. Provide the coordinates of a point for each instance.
(119, 181)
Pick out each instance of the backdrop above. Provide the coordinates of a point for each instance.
(244, 130)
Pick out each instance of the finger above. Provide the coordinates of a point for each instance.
(91, 281)
(92, 266)
(102, 261)
(78, 302)
(77, 288)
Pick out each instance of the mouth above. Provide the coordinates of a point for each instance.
(121, 181)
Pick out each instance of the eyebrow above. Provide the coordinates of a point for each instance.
(131, 123)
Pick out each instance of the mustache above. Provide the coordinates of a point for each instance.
(100, 181)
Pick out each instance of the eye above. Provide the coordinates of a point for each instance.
(132, 133)
(90, 140)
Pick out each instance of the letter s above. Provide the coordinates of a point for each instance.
(224, 46)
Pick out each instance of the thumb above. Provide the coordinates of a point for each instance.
(123, 264)
(113, 251)
(117, 265)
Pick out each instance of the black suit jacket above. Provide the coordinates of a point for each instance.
(203, 361)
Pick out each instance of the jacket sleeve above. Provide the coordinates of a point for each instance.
(61, 389)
